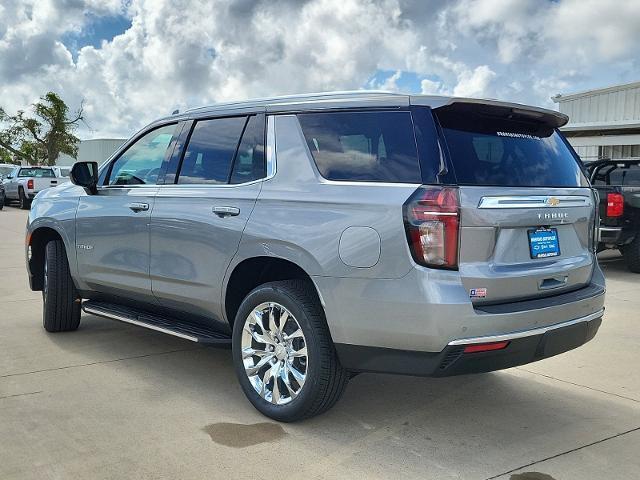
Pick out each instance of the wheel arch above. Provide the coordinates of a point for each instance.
(36, 243)
(254, 271)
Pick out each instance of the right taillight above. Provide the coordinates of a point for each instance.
(431, 219)
(615, 205)
(30, 184)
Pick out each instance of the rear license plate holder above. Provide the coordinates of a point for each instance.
(543, 243)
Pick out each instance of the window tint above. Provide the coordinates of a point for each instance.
(140, 164)
(36, 172)
(363, 146)
(249, 163)
(488, 150)
(210, 151)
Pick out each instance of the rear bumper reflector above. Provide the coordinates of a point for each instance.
(485, 347)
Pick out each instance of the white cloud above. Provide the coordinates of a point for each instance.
(180, 53)
(474, 83)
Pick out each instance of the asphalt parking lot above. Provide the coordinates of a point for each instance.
(114, 401)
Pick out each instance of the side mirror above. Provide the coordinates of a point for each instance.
(85, 174)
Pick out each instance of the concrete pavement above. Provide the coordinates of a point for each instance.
(114, 401)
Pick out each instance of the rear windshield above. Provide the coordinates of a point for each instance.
(36, 172)
(363, 146)
(625, 175)
(487, 150)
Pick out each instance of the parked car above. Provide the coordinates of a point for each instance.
(618, 185)
(326, 235)
(23, 183)
(2, 197)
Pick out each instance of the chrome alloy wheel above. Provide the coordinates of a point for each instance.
(274, 353)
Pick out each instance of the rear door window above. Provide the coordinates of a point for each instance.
(492, 151)
(363, 146)
(249, 163)
(210, 151)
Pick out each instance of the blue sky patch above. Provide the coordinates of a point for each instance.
(95, 30)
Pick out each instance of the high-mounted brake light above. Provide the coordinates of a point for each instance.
(30, 184)
(431, 219)
(615, 205)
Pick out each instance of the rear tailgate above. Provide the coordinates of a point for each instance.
(40, 183)
(618, 177)
(526, 210)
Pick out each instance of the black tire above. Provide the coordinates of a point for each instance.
(326, 379)
(61, 303)
(24, 201)
(631, 254)
(3, 199)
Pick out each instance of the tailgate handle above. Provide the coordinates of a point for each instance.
(551, 283)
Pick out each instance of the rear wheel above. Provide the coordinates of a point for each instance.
(24, 201)
(3, 200)
(61, 303)
(283, 353)
(631, 254)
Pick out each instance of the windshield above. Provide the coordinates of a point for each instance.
(36, 172)
(488, 150)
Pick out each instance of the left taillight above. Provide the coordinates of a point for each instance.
(432, 224)
(30, 184)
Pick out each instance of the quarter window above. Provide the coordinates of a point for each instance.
(210, 151)
(363, 146)
(140, 164)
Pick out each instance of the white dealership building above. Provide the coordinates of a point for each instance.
(603, 123)
(97, 150)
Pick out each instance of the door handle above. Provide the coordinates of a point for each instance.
(226, 211)
(139, 207)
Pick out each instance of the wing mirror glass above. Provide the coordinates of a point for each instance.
(85, 174)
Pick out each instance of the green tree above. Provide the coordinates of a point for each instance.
(41, 139)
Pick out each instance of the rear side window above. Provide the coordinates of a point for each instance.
(36, 172)
(363, 146)
(489, 150)
(625, 175)
(210, 151)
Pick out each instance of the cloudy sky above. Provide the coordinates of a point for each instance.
(132, 61)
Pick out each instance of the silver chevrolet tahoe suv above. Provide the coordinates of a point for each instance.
(325, 235)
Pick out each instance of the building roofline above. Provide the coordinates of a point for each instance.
(587, 93)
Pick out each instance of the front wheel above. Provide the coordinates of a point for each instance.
(283, 354)
(61, 303)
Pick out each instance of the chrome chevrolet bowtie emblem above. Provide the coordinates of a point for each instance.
(553, 201)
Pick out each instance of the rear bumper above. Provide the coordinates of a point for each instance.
(609, 234)
(524, 347)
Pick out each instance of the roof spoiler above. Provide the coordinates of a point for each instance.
(551, 118)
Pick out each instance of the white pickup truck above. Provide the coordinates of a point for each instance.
(23, 183)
